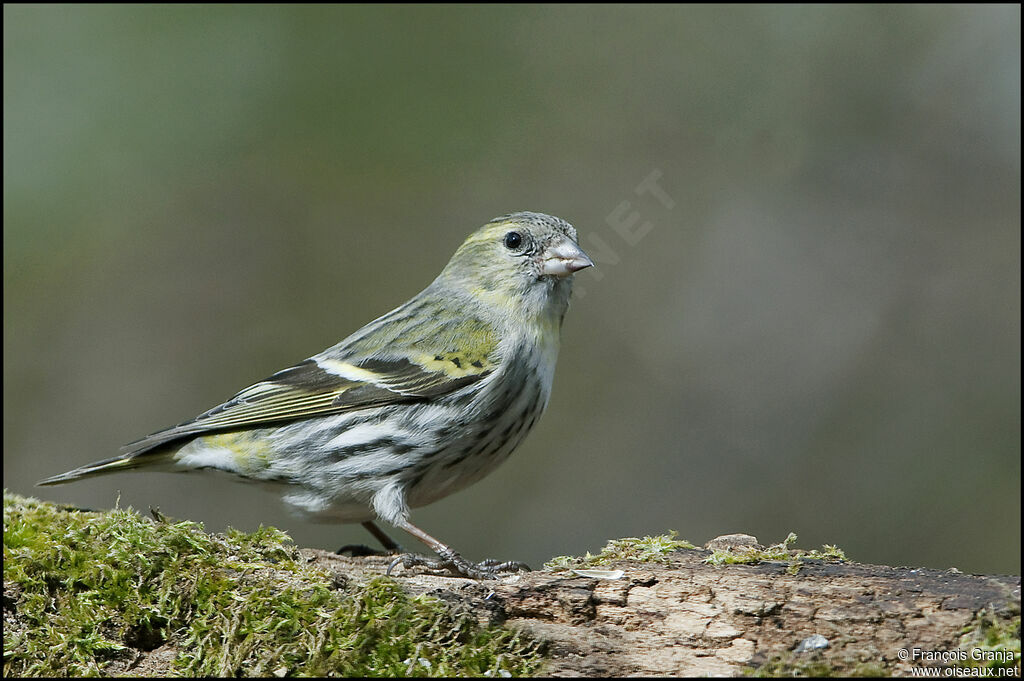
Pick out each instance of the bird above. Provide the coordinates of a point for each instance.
(416, 405)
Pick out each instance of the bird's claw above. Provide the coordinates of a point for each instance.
(451, 563)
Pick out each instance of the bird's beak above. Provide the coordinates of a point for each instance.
(563, 258)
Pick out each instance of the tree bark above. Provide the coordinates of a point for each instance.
(684, 617)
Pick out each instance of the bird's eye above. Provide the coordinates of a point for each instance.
(513, 240)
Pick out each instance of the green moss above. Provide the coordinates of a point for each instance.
(870, 670)
(786, 665)
(85, 590)
(631, 548)
(791, 665)
(993, 641)
(780, 551)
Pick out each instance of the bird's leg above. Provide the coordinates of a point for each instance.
(389, 544)
(391, 547)
(450, 562)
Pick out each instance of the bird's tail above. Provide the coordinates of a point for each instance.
(116, 464)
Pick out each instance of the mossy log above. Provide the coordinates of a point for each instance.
(682, 616)
(117, 593)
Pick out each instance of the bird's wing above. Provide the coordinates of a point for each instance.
(321, 386)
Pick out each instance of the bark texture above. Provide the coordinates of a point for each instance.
(684, 617)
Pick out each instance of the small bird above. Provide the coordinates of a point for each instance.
(416, 405)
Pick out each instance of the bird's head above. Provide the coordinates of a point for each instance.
(520, 262)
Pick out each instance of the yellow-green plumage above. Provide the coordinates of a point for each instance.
(415, 405)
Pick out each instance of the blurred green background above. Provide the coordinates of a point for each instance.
(812, 326)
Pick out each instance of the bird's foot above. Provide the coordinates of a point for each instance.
(450, 563)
